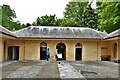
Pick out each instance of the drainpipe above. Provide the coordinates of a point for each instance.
(97, 51)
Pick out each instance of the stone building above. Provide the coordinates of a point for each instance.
(73, 43)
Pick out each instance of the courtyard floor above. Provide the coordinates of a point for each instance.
(60, 70)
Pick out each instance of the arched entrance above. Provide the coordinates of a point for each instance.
(115, 51)
(78, 51)
(43, 47)
(61, 51)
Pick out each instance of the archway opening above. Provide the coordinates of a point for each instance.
(13, 53)
(61, 51)
(43, 47)
(78, 51)
(115, 51)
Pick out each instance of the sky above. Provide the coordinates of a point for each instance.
(28, 10)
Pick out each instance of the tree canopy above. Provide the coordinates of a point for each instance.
(75, 11)
(90, 17)
(8, 15)
(81, 14)
(109, 16)
(45, 21)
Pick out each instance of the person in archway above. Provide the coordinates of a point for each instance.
(47, 54)
(56, 52)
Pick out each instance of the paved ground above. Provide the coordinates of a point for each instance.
(75, 70)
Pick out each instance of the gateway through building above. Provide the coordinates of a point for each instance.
(61, 51)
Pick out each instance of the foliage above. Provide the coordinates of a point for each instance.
(45, 21)
(80, 14)
(109, 16)
(75, 12)
(28, 24)
(90, 17)
(65, 22)
(8, 15)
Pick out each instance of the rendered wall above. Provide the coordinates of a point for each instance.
(112, 42)
(110, 45)
(19, 43)
(105, 45)
(87, 52)
(30, 49)
(1, 49)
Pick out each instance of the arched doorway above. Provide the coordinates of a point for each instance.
(61, 51)
(115, 51)
(43, 47)
(78, 51)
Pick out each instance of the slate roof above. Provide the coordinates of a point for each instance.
(6, 31)
(113, 34)
(59, 32)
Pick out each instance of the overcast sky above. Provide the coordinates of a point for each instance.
(29, 10)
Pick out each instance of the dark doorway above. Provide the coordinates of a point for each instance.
(13, 53)
(10, 53)
(4, 50)
(61, 51)
(43, 47)
(115, 52)
(78, 51)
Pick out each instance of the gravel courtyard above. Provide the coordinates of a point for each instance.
(60, 70)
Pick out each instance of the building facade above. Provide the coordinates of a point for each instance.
(73, 43)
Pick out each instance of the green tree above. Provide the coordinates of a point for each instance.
(34, 23)
(28, 24)
(8, 12)
(90, 17)
(0, 15)
(75, 12)
(66, 22)
(8, 15)
(80, 14)
(45, 20)
(109, 16)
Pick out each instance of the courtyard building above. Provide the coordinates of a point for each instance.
(72, 43)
